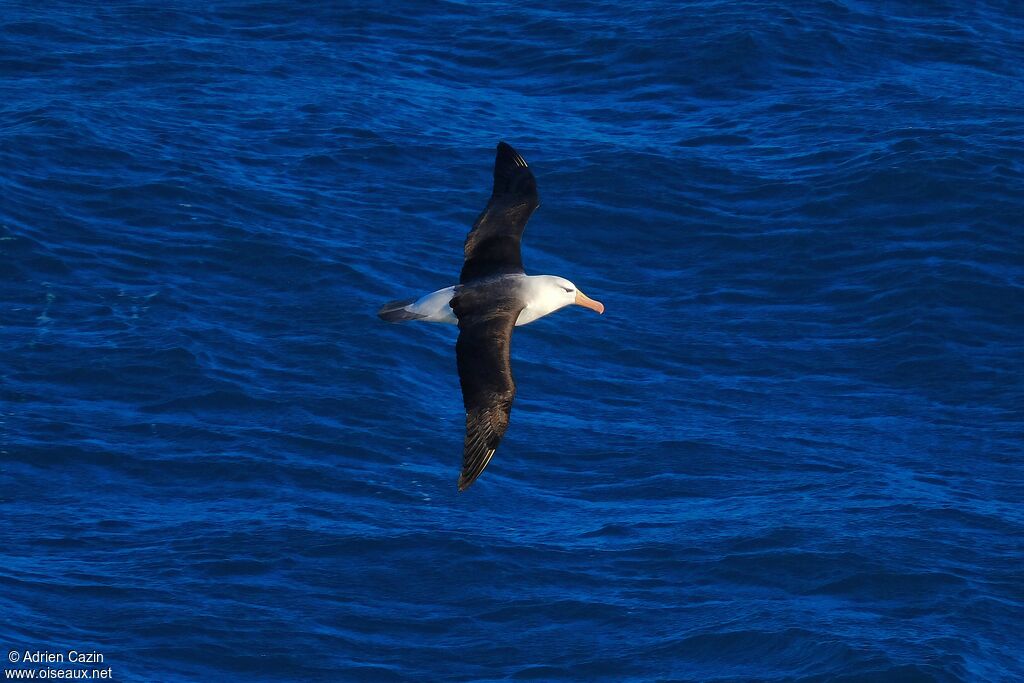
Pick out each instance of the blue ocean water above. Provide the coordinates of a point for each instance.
(791, 449)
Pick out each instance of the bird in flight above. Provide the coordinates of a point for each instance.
(494, 295)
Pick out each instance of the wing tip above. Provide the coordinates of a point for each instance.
(505, 152)
(512, 175)
(470, 475)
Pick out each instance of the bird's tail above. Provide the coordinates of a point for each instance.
(398, 311)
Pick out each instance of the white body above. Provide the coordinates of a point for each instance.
(543, 294)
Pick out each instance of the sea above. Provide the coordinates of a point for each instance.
(791, 449)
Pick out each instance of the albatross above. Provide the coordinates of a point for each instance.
(493, 296)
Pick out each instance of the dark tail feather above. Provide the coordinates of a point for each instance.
(394, 311)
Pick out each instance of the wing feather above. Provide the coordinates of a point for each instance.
(485, 373)
(493, 245)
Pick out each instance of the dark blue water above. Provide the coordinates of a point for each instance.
(790, 451)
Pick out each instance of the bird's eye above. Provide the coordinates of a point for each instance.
(566, 289)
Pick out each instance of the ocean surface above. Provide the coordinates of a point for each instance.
(791, 450)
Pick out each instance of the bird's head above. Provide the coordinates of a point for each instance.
(566, 293)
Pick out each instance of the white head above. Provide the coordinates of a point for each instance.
(557, 292)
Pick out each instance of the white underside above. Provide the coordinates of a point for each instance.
(436, 306)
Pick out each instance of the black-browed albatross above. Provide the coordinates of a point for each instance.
(494, 295)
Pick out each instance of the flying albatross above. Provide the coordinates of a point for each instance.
(494, 295)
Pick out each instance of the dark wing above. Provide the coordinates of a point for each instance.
(485, 338)
(492, 246)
